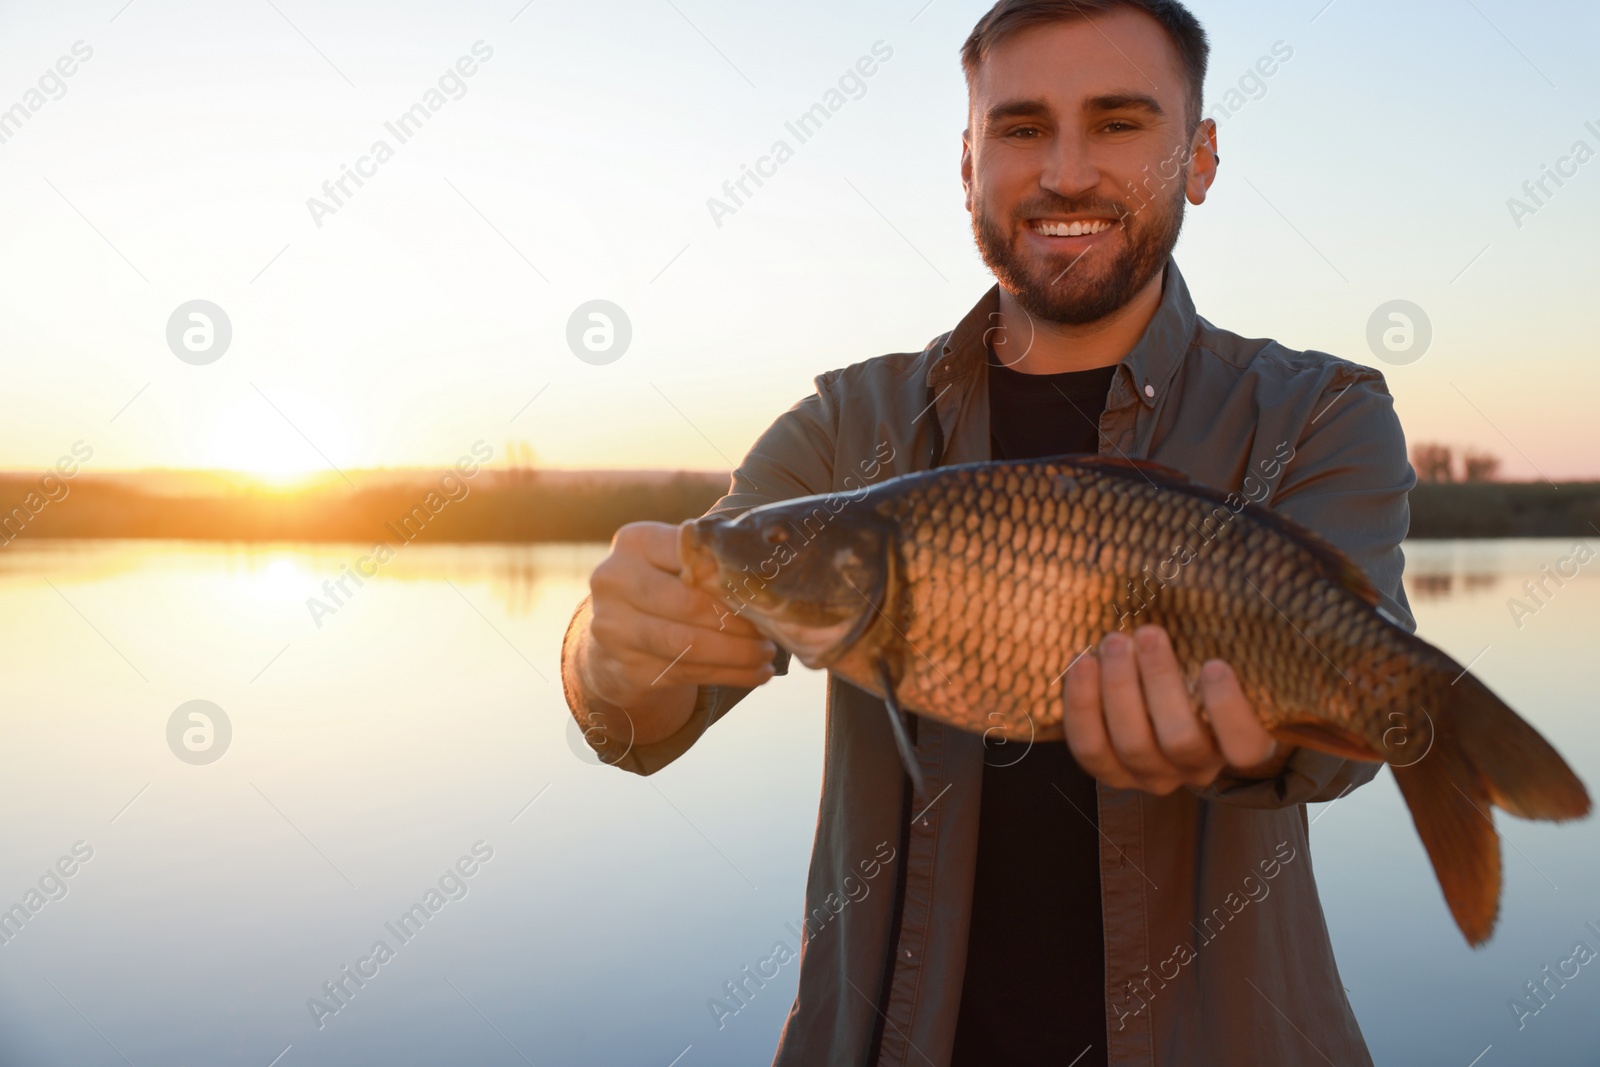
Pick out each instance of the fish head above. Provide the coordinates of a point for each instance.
(811, 574)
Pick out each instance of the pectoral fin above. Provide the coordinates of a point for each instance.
(897, 723)
(1327, 737)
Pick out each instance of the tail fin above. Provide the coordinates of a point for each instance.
(1523, 773)
(1483, 753)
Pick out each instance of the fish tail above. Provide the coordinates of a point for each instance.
(1482, 754)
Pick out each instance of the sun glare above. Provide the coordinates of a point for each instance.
(283, 443)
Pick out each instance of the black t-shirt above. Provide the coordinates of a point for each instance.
(1034, 990)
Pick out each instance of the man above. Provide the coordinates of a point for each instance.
(1140, 893)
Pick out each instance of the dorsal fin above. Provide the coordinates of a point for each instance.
(1336, 566)
(1158, 473)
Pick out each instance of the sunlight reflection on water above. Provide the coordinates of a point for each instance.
(376, 745)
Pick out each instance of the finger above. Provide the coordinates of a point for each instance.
(623, 630)
(1085, 726)
(698, 674)
(1127, 720)
(1184, 740)
(654, 542)
(655, 592)
(650, 671)
(1240, 735)
(647, 554)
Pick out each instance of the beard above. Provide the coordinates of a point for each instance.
(1076, 290)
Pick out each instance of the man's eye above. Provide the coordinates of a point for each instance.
(1027, 133)
(1119, 126)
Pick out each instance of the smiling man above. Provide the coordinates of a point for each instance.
(1141, 892)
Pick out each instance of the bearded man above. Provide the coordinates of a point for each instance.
(1140, 893)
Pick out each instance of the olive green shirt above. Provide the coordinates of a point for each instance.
(1216, 951)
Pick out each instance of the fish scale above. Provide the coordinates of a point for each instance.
(1057, 596)
(963, 594)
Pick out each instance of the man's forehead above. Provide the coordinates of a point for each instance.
(1083, 64)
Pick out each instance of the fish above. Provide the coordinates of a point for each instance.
(964, 594)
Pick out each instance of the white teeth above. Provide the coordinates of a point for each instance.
(1071, 229)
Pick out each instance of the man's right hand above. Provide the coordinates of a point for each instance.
(652, 641)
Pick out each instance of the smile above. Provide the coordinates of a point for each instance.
(1076, 228)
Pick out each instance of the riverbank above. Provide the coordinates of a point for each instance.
(565, 506)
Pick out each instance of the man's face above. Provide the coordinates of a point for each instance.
(1078, 160)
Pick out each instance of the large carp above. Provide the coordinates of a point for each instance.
(964, 593)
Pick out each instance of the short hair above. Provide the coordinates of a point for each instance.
(1010, 17)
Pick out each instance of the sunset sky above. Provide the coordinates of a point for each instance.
(429, 309)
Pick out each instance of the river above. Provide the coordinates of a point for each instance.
(397, 766)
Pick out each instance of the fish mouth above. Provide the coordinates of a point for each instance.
(697, 563)
(816, 636)
(701, 567)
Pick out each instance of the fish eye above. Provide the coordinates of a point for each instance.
(775, 534)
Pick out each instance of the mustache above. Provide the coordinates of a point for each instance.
(1051, 204)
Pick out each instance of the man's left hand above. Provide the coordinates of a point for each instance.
(1130, 723)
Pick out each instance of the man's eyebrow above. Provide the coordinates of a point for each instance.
(1012, 109)
(1125, 102)
(1121, 101)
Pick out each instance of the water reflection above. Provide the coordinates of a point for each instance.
(231, 911)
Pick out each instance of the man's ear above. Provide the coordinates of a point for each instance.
(1203, 160)
(966, 166)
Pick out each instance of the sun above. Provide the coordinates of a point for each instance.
(283, 441)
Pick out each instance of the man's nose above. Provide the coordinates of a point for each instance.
(1070, 169)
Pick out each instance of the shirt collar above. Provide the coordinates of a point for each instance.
(1145, 371)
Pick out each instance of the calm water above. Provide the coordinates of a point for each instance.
(416, 741)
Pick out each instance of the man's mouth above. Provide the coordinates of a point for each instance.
(1070, 228)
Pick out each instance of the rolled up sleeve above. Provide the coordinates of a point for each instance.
(1347, 481)
(794, 457)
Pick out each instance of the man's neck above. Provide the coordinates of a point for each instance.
(1032, 345)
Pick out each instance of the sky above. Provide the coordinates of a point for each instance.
(433, 306)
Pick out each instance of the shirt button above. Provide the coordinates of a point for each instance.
(1150, 391)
